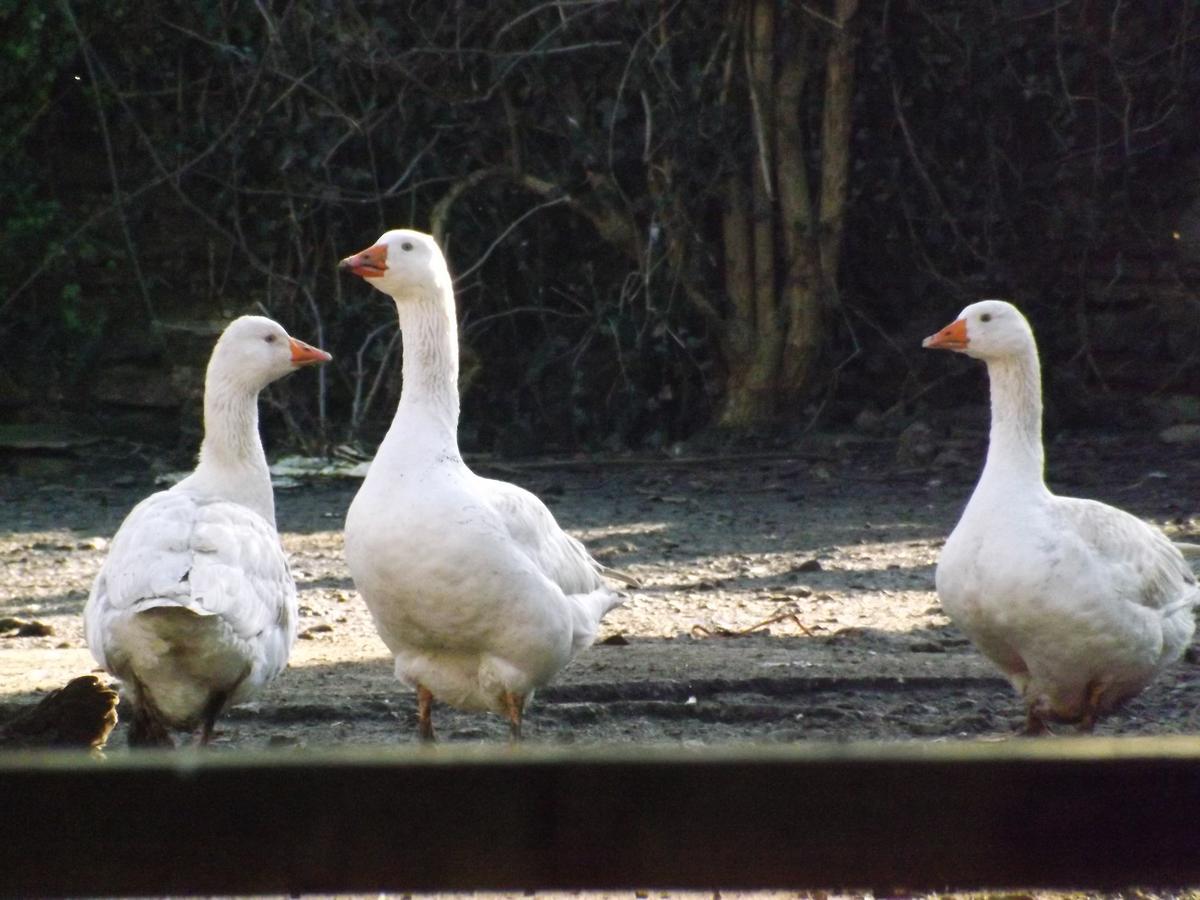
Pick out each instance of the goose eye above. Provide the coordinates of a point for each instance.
(986, 317)
(270, 339)
(407, 245)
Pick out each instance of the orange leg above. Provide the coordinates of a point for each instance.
(513, 704)
(1035, 724)
(425, 714)
(1091, 709)
(147, 728)
(212, 709)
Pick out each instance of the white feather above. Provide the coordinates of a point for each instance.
(195, 598)
(1079, 603)
(472, 584)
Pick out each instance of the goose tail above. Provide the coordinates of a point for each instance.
(631, 581)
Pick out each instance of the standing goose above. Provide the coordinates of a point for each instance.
(1078, 603)
(477, 592)
(195, 609)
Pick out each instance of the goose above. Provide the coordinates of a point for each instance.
(194, 608)
(479, 595)
(1078, 603)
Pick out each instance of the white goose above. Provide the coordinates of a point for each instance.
(1078, 603)
(477, 592)
(195, 609)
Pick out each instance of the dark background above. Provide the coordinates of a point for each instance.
(166, 167)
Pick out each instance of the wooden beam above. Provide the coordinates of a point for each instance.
(1078, 813)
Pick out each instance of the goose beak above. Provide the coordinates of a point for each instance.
(369, 263)
(306, 355)
(952, 337)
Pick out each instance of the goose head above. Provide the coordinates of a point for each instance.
(989, 329)
(253, 351)
(402, 263)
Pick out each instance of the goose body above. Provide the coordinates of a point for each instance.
(194, 608)
(1078, 603)
(477, 592)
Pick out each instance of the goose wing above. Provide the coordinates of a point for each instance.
(1140, 562)
(210, 556)
(532, 527)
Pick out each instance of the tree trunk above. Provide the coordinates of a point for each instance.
(836, 124)
(802, 282)
(750, 242)
(781, 244)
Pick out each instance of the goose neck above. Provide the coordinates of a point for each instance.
(430, 369)
(232, 463)
(1015, 455)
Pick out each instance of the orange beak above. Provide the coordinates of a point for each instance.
(952, 337)
(369, 263)
(305, 354)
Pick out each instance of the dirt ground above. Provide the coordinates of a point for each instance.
(842, 532)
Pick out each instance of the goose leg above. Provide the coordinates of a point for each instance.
(1035, 724)
(146, 729)
(1091, 708)
(513, 705)
(216, 702)
(425, 714)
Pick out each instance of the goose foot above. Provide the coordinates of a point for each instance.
(513, 705)
(425, 714)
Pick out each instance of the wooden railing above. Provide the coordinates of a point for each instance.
(1069, 813)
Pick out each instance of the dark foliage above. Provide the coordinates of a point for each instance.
(164, 166)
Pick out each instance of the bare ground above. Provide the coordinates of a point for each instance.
(839, 532)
